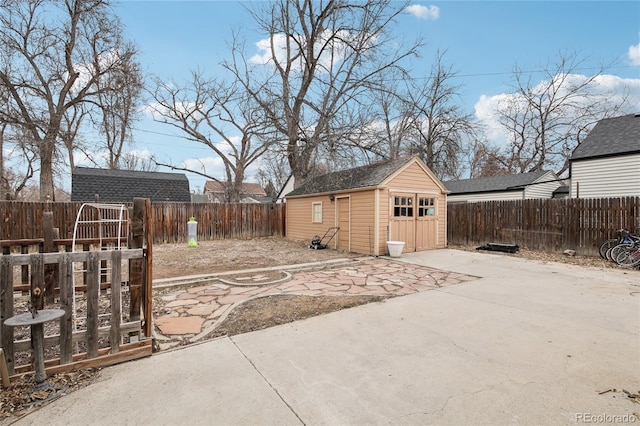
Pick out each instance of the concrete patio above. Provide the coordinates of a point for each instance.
(526, 343)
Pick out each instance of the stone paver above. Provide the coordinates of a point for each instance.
(190, 311)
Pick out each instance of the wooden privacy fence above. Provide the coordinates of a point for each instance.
(218, 221)
(23, 220)
(580, 224)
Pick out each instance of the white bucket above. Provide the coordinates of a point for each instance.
(395, 248)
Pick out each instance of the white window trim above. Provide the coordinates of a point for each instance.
(313, 216)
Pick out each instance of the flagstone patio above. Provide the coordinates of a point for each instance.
(191, 313)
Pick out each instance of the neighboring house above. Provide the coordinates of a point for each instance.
(250, 193)
(286, 188)
(607, 162)
(400, 200)
(200, 198)
(540, 184)
(121, 186)
(561, 192)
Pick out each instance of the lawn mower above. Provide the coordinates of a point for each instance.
(318, 243)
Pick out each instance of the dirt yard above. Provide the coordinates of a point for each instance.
(176, 260)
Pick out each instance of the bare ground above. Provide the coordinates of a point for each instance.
(176, 260)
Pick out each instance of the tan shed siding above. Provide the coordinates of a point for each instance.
(485, 196)
(413, 178)
(362, 222)
(383, 226)
(299, 224)
(606, 177)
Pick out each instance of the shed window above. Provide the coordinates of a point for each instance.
(403, 206)
(316, 212)
(426, 206)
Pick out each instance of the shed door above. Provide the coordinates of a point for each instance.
(343, 213)
(426, 222)
(402, 224)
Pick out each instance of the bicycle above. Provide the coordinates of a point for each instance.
(607, 246)
(627, 254)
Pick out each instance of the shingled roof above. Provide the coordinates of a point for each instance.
(493, 183)
(120, 186)
(248, 188)
(609, 137)
(360, 177)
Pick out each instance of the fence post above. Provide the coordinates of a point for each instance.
(50, 270)
(6, 308)
(147, 294)
(65, 268)
(136, 266)
(93, 294)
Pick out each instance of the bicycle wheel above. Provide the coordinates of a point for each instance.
(635, 257)
(609, 255)
(606, 246)
(619, 250)
(624, 258)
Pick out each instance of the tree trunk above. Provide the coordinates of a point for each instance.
(46, 172)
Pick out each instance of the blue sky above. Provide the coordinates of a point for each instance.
(484, 41)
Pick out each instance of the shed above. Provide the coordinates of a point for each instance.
(120, 186)
(607, 161)
(400, 200)
(539, 184)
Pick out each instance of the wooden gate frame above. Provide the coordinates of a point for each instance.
(140, 284)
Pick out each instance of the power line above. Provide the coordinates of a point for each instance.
(488, 74)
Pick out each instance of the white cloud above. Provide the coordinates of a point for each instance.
(611, 87)
(634, 55)
(334, 49)
(264, 48)
(424, 12)
(88, 71)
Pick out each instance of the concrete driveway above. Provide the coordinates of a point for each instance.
(525, 343)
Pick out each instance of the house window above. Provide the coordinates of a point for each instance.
(403, 206)
(316, 212)
(426, 206)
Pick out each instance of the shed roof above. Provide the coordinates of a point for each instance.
(494, 183)
(124, 185)
(609, 137)
(367, 176)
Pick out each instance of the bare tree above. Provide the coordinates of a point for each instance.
(273, 172)
(220, 116)
(321, 57)
(384, 122)
(545, 120)
(440, 126)
(117, 109)
(54, 54)
(132, 161)
(483, 159)
(72, 121)
(12, 181)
